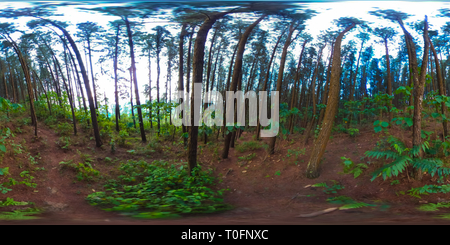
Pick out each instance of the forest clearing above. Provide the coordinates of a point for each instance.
(362, 139)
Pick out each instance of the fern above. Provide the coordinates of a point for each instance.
(433, 206)
(393, 168)
(11, 202)
(320, 185)
(444, 216)
(341, 200)
(356, 205)
(425, 190)
(20, 214)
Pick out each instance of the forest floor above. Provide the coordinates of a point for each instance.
(263, 190)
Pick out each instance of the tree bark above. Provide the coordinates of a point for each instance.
(197, 77)
(292, 28)
(237, 74)
(330, 112)
(98, 140)
(440, 87)
(136, 90)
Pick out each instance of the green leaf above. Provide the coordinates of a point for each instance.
(384, 124)
(435, 114)
(3, 148)
(376, 123)
(378, 129)
(409, 121)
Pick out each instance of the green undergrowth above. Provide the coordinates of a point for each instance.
(349, 203)
(330, 190)
(433, 206)
(19, 214)
(159, 190)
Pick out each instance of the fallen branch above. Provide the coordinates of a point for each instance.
(329, 210)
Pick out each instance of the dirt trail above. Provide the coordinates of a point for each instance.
(56, 190)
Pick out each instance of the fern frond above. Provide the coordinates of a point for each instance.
(431, 165)
(393, 168)
(378, 154)
(356, 205)
(320, 185)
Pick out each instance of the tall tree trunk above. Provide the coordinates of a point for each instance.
(136, 90)
(418, 87)
(131, 98)
(236, 75)
(26, 72)
(292, 28)
(266, 80)
(98, 140)
(440, 87)
(333, 98)
(389, 82)
(45, 92)
(92, 73)
(181, 74)
(69, 95)
(116, 79)
(227, 87)
(197, 77)
(296, 86)
(313, 92)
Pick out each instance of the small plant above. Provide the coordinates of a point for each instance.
(113, 146)
(20, 214)
(11, 202)
(380, 125)
(63, 142)
(340, 200)
(27, 179)
(353, 132)
(248, 146)
(247, 157)
(329, 190)
(433, 206)
(351, 168)
(425, 190)
(85, 171)
(278, 173)
(64, 129)
(296, 152)
(395, 182)
(3, 189)
(356, 205)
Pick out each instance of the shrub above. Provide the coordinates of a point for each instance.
(156, 190)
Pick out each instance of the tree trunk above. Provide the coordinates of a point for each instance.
(330, 112)
(440, 87)
(98, 140)
(296, 85)
(92, 73)
(266, 80)
(136, 90)
(180, 72)
(236, 75)
(389, 82)
(280, 78)
(116, 79)
(313, 92)
(197, 77)
(418, 86)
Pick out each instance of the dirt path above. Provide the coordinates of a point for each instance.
(56, 191)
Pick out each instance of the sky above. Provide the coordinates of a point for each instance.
(328, 11)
